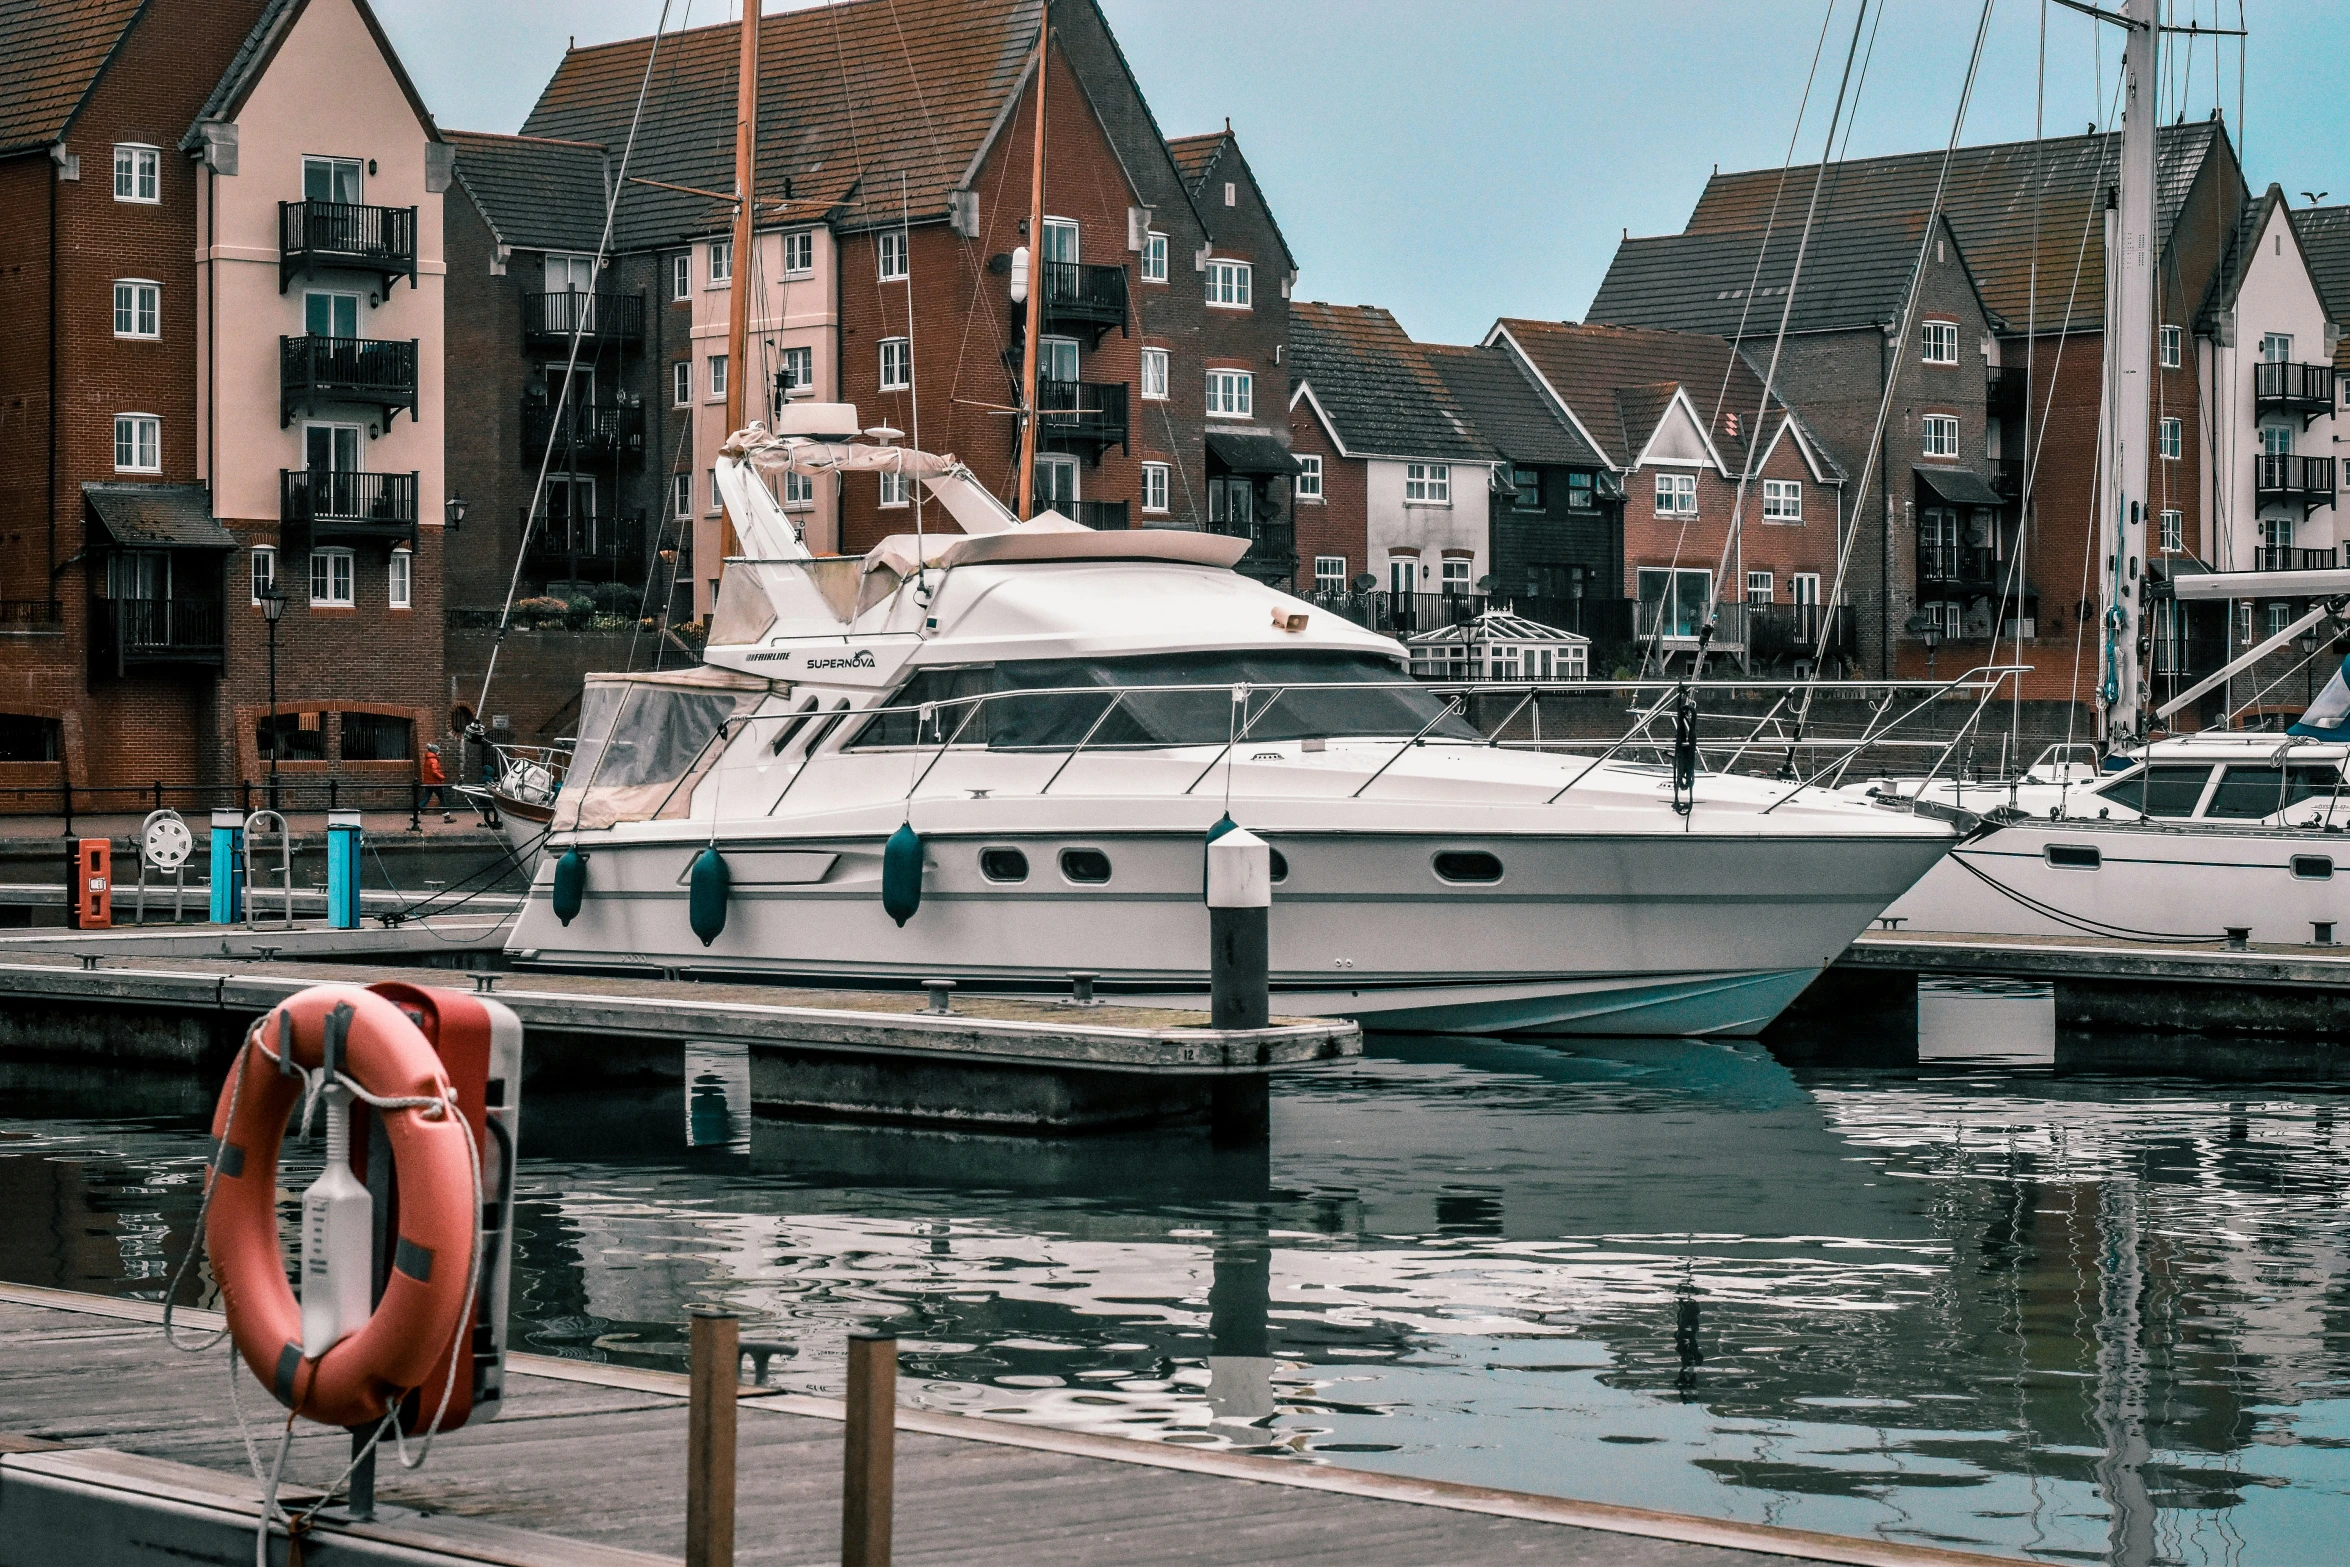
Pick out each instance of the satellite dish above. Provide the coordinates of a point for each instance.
(1364, 583)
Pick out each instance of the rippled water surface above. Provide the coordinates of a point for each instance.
(1974, 1295)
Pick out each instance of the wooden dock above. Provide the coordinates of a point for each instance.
(586, 1468)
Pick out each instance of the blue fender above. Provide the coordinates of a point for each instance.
(706, 894)
(570, 885)
(901, 873)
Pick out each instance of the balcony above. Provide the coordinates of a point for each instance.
(2007, 477)
(596, 433)
(2003, 392)
(2283, 557)
(343, 505)
(32, 617)
(1956, 567)
(1102, 516)
(1082, 414)
(2282, 480)
(1674, 627)
(586, 549)
(342, 235)
(132, 634)
(377, 372)
(1084, 297)
(1401, 614)
(1794, 631)
(2306, 390)
(605, 316)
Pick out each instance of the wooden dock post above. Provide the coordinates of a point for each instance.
(869, 1451)
(709, 1441)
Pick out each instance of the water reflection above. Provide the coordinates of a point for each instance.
(1953, 1300)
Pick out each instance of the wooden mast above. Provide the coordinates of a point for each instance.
(1035, 279)
(738, 317)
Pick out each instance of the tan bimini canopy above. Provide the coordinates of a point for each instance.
(645, 740)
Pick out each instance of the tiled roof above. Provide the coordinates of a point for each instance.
(1378, 388)
(1195, 155)
(51, 52)
(251, 61)
(173, 516)
(1618, 382)
(537, 194)
(1991, 200)
(1502, 405)
(2324, 233)
(1854, 275)
(851, 96)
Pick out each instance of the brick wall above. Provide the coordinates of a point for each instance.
(1339, 524)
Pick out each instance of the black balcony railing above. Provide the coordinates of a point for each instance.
(316, 234)
(377, 371)
(2284, 557)
(129, 633)
(2281, 387)
(1082, 294)
(1089, 414)
(1401, 614)
(585, 549)
(2283, 479)
(348, 505)
(1796, 631)
(2006, 476)
(31, 614)
(593, 432)
(1105, 516)
(2003, 392)
(605, 316)
(1957, 565)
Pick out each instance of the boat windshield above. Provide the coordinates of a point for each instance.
(1046, 704)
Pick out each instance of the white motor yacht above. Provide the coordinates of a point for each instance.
(1062, 715)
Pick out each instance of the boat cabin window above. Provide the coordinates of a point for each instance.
(2250, 793)
(1469, 865)
(1003, 865)
(2172, 791)
(1090, 866)
(1059, 704)
(2313, 867)
(793, 725)
(645, 740)
(1279, 863)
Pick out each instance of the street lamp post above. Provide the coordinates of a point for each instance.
(455, 508)
(273, 604)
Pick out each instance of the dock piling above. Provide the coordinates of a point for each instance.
(869, 1451)
(1240, 908)
(716, 1362)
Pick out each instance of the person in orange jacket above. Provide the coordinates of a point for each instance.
(436, 782)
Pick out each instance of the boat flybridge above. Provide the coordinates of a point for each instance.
(1061, 715)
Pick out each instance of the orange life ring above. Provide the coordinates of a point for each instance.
(369, 1370)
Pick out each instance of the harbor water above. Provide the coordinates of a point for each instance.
(1955, 1295)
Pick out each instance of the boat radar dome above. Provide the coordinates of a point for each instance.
(820, 421)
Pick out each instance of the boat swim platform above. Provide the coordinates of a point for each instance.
(115, 1447)
(994, 1063)
(476, 930)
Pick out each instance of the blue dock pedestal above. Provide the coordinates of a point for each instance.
(342, 869)
(228, 867)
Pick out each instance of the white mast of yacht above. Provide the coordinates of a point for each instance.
(2128, 404)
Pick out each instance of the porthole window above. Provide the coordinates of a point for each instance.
(793, 725)
(1280, 864)
(1468, 865)
(1089, 866)
(1004, 865)
(2075, 856)
(2313, 867)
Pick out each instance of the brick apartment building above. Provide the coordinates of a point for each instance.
(219, 242)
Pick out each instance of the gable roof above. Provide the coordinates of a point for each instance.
(1992, 198)
(52, 53)
(2324, 233)
(851, 96)
(1855, 275)
(252, 59)
(1377, 390)
(1504, 406)
(534, 193)
(1618, 383)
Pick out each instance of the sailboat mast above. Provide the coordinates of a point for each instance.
(738, 310)
(1036, 284)
(2129, 328)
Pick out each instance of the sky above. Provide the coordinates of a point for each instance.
(1456, 162)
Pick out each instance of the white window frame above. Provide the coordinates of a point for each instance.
(327, 564)
(331, 295)
(145, 444)
(1231, 394)
(797, 385)
(2172, 524)
(718, 269)
(892, 256)
(1230, 285)
(897, 364)
(1672, 490)
(1156, 369)
(1155, 486)
(1427, 484)
(717, 502)
(1803, 589)
(1453, 575)
(261, 570)
(799, 490)
(1942, 336)
(717, 377)
(1331, 570)
(1154, 257)
(1231, 193)
(2276, 348)
(681, 384)
(1783, 501)
(681, 275)
(799, 252)
(1938, 435)
(400, 580)
(1760, 586)
(138, 173)
(1308, 484)
(136, 292)
(2172, 340)
(2170, 438)
(894, 489)
(681, 495)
